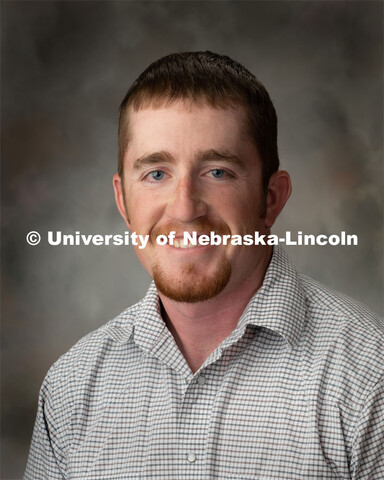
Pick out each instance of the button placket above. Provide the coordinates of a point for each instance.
(192, 446)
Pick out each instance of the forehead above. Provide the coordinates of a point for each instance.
(185, 127)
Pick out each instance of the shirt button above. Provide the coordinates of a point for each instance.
(201, 380)
(191, 457)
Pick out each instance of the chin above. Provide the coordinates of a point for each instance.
(191, 285)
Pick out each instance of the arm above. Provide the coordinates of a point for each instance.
(46, 459)
(368, 442)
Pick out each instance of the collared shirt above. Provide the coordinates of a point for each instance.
(294, 392)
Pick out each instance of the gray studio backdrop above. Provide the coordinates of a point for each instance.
(65, 68)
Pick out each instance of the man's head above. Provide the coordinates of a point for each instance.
(190, 160)
(216, 80)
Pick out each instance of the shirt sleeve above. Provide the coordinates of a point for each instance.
(46, 459)
(367, 460)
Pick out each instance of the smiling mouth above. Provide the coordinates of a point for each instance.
(187, 240)
(183, 243)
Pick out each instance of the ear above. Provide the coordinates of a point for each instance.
(119, 198)
(279, 190)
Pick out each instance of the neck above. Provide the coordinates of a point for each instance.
(199, 328)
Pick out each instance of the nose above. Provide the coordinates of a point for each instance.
(186, 204)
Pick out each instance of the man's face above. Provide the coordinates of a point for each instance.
(191, 167)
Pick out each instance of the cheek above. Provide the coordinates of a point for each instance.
(239, 206)
(244, 218)
(254, 205)
(144, 214)
(135, 202)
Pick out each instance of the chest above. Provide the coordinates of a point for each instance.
(245, 416)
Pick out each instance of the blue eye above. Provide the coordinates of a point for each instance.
(218, 173)
(157, 175)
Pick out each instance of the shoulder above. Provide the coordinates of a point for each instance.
(100, 357)
(326, 302)
(345, 338)
(106, 341)
(82, 382)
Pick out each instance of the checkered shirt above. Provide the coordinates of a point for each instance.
(294, 392)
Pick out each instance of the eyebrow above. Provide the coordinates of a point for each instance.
(222, 155)
(153, 159)
(202, 156)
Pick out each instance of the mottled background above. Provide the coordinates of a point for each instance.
(65, 68)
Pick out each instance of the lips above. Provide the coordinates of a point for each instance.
(201, 227)
(182, 242)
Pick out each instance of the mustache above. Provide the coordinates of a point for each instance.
(201, 226)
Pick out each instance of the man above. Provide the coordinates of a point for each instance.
(233, 366)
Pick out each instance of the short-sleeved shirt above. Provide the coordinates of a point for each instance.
(294, 392)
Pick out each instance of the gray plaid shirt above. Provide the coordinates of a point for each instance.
(295, 392)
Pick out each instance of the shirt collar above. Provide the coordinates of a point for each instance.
(141, 321)
(148, 322)
(279, 305)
